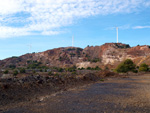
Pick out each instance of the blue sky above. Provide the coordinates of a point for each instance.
(48, 24)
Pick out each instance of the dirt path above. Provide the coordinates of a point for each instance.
(116, 95)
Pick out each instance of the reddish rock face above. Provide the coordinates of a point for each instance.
(110, 54)
(139, 51)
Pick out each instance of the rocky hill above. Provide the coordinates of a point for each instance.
(109, 54)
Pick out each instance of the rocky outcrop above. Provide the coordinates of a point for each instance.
(108, 54)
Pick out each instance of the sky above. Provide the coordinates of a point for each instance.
(28, 26)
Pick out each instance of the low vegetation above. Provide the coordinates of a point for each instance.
(22, 70)
(6, 72)
(96, 68)
(143, 68)
(94, 60)
(15, 73)
(126, 66)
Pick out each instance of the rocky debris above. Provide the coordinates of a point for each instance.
(83, 64)
(6, 76)
(91, 76)
(20, 89)
(107, 74)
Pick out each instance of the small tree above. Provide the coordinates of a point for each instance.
(6, 72)
(126, 66)
(143, 67)
(15, 73)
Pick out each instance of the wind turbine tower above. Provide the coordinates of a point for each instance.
(30, 46)
(72, 41)
(117, 33)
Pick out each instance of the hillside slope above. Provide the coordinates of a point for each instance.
(109, 54)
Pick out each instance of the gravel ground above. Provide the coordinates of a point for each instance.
(115, 95)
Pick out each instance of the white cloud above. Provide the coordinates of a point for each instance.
(45, 17)
(141, 27)
(10, 6)
(11, 31)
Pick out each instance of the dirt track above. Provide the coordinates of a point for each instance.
(116, 95)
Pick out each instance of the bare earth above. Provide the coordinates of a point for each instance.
(115, 95)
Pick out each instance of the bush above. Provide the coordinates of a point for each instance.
(126, 66)
(35, 65)
(97, 68)
(102, 80)
(41, 70)
(96, 60)
(143, 68)
(6, 72)
(88, 68)
(71, 69)
(74, 72)
(45, 70)
(22, 70)
(72, 54)
(81, 68)
(106, 68)
(12, 66)
(60, 69)
(50, 73)
(15, 72)
(71, 49)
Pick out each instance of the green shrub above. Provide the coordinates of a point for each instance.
(106, 68)
(45, 70)
(71, 69)
(56, 74)
(60, 58)
(126, 66)
(97, 68)
(81, 68)
(12, 66)
(41, 70)
(15, 72)
(89, 68)
(72, 54)
(6, 72)
(70, 49)
(78, 51)
(74, 72)
(50, 73)
(143, 68)
(102, 80)
(36, 65)
(33, 66)
(58, 69)
(22, 70)
(96, 60)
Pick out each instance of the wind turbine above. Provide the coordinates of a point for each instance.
(72, 41)
(117, 33)
(30, 46)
